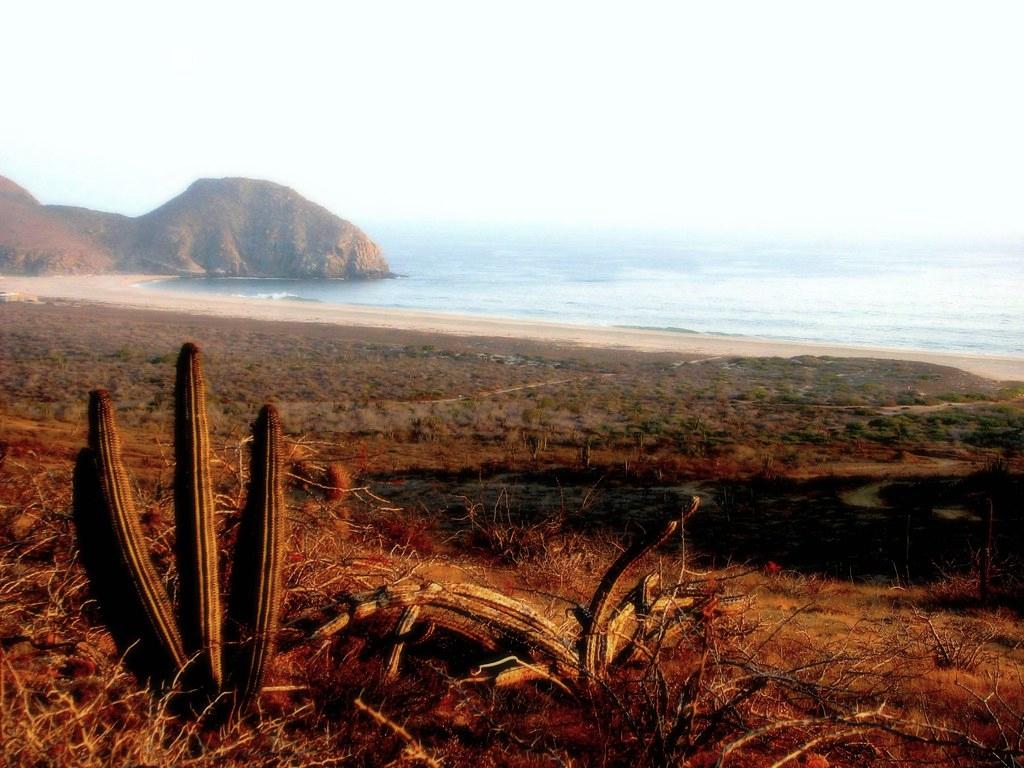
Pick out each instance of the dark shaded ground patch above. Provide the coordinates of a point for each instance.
(801, 525)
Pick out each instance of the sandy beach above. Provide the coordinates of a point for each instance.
(125, 291)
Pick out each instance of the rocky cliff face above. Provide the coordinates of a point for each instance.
(229, 227)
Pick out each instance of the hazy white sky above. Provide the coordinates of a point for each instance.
(815, 117)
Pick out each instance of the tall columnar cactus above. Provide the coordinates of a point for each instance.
(256, 581)
(114, 549)
(122, 575)
(199, 611)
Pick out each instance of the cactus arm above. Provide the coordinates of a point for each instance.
(200, 612)
(255, 601)
(624, 621)
(119, 508)
(484, 615)
(111, 584)
(402, 631)
(593, 651)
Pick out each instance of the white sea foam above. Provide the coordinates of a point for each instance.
(274, 296)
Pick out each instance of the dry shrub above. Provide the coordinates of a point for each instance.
(512, 543)
(954, 590)
(305, 474)
(402, 534)
(338, 481)
(956, 643)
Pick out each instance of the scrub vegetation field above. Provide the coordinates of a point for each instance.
(847, 592)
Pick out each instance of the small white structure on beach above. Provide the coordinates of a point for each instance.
(8, 297)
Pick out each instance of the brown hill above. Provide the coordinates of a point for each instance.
(231, 227)
(35, 239)
(246, 227)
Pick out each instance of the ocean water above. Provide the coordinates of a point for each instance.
(952, 297)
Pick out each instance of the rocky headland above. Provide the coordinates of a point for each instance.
(230, 227)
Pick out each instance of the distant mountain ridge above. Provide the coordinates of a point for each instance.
(230, 227)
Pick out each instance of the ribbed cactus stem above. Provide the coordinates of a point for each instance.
(256, 588)
(594, 645)
(119, 509)
(200, 612)
(403, 629)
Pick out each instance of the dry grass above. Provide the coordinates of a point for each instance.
(817, 669)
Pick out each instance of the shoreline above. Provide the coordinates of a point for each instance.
(123, 290)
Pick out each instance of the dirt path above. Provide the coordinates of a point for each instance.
(865, 496)
(519, 388)
(699, 360)
(895, 410)
(967, 404)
